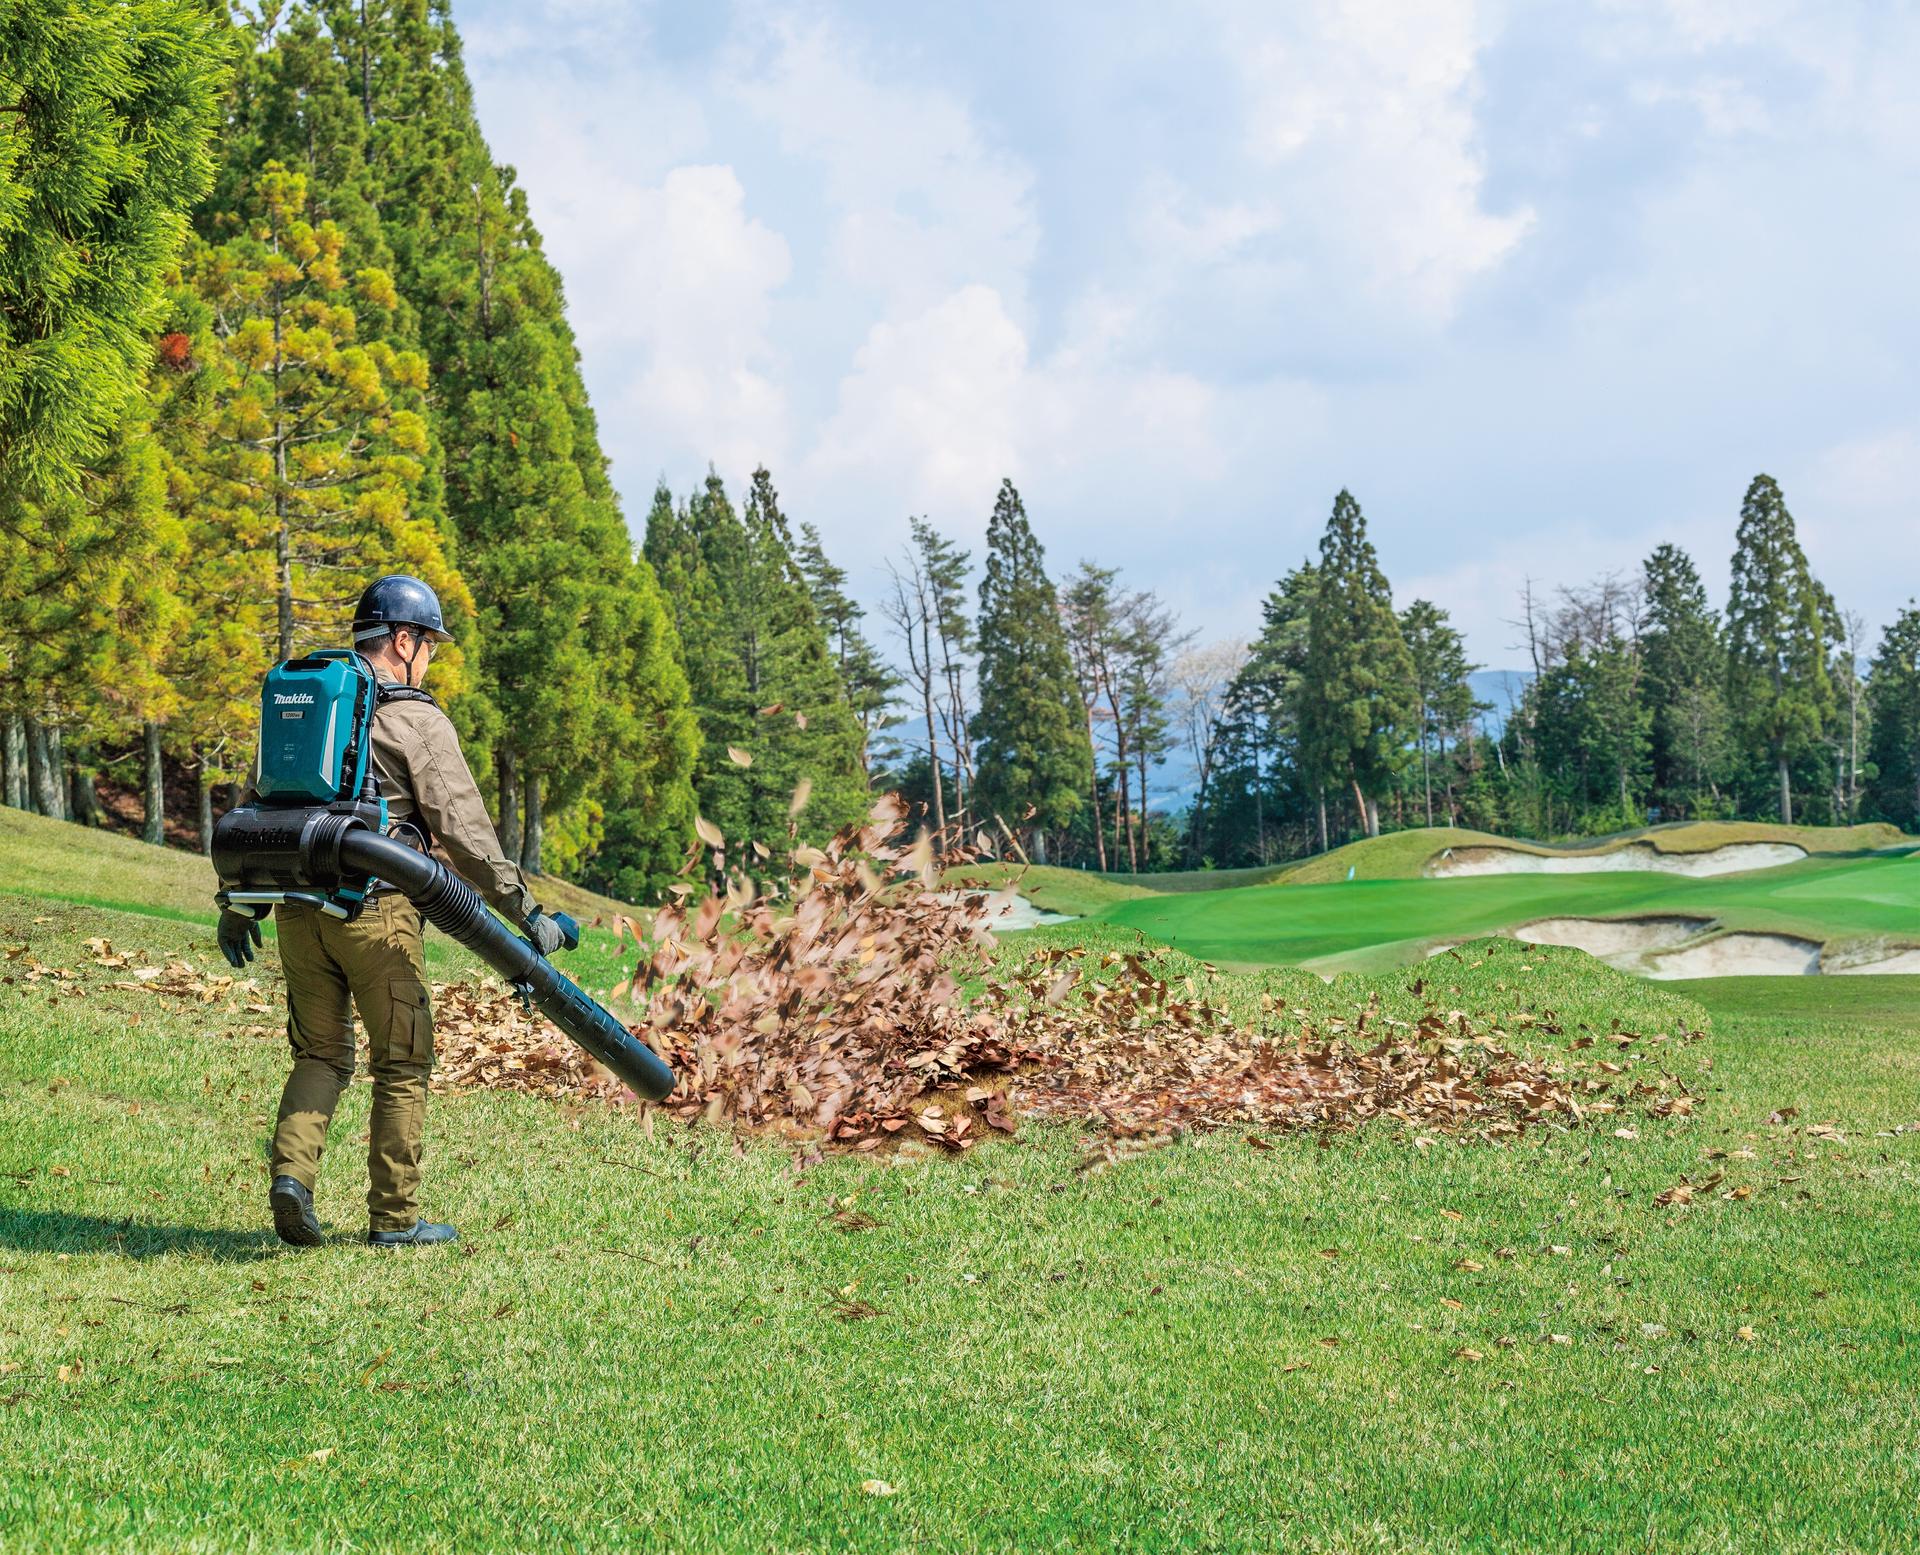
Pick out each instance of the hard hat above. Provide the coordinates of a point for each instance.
(398, 600)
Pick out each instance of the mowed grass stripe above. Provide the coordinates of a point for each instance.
(1876, 897)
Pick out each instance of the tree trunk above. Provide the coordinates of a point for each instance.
(933, 751)
(1146, 833)
(13, 762)
(80, 801)
(205, 785)
(1323, 818)
(1040, 845)
(1426, 775)
(57, 772)
(37, 767)
(1786, 794)
(508, 771)
(1360, 804)
(154, 790)
(530, 847)
(1093, 787)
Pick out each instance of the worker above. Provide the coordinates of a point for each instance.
(374, 959)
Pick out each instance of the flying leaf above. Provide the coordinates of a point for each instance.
(802, 792)
(710, 834)
(739, 757)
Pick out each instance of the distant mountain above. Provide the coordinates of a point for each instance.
(1502, 688)
(1173, 784)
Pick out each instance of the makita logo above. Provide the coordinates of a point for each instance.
(293, 699)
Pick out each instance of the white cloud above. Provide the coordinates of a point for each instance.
(920, 201)
(1363, 115)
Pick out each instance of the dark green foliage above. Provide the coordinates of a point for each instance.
(1031, 750)
(1894, 745)
(1357, 706)
(1683, 685)
(866, 682)
(1445, 703)
(107, 108)
(1590, 732)
(1779, 629)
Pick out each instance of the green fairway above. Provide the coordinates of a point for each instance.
(1837, 899)
(654, 1339)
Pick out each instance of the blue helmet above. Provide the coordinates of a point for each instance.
(397, 600)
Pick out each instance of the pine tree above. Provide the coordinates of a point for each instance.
(318, 438)
(1683, 684)
(1031, 744)
(814, 737)
(1259, 772)
(865, 681)
(1893, 742)
(107, 109)
(1444, 700)
(1777, 638)
(1357, 704)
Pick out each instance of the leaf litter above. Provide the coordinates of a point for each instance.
(846, 996)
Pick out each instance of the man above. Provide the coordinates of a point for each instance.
(375, 960)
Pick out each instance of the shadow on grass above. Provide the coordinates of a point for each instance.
(51, 1231)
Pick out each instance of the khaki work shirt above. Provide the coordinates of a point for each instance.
(422, 773)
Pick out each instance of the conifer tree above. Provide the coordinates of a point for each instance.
(1357, 698)
(1683, 683)
(318, 438)
(1444, 700)
(1777, 638)
(1031, 742)
(107, 109)
(1259, 758)
(865, 681)
(1893, 693)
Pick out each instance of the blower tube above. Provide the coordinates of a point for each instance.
(457, 910)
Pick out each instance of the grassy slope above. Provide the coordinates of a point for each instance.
(1866, 900)
(63, 862)
(1207, 1346)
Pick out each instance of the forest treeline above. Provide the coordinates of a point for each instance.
(276, 322)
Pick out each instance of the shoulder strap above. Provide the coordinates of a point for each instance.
(393, 691)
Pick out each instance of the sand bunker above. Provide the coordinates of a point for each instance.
(1620, 941)
(1010, 912)
(1732, 858)
(1740, 955)
(1901, 963)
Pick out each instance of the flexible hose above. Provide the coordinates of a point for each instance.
(457, 910)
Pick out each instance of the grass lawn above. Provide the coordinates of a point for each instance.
(662, 1340)
(1378, 923)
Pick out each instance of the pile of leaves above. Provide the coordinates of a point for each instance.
(853, 999)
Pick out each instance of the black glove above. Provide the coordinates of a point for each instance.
(236, 929)
(546, 934)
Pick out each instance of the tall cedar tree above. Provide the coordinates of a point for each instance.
(1031, 740)
(1444, 700)
(1893, 694)
(1357, 703)
(1683, 684)
(1090, 608)
(107, 112)
(865, 681)
(1777, 638)
(318, 438)
(1258, 768)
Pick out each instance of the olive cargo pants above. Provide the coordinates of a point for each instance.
(374, 961)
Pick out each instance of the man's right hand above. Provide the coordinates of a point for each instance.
(546, 934)
(239, 933)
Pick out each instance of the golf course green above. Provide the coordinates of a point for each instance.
(1365, 924)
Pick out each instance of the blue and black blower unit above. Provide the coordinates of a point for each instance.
(316, 834)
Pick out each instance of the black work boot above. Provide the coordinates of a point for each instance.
(422, 1233)
(293, 1216)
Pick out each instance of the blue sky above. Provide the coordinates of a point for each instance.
(1544, 285)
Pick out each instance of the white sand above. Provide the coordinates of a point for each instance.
(1740, 955)
(1009, 911)
(1904, 962)
(1735, 856)
(1620, 941)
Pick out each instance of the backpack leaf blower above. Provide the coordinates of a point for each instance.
(315, 835)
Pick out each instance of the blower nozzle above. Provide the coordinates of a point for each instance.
(298, 852)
